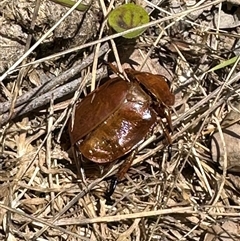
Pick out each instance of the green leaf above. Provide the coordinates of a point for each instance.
(128, 16)
(68, 3)
(224, 64)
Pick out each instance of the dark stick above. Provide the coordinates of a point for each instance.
(45, 98)
(62, 78)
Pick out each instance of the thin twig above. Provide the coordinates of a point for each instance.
(64, 77)
(45, 98)
(116, 35)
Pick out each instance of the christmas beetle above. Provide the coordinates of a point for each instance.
(115, 119)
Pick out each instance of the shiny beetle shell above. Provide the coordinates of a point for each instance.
(115, 118)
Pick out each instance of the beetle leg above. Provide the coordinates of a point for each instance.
(169, 139)
(166, 132)
(169, 153)
(80, 171)
(111, 190)
(169, 120)
(119, 176)
(164, 112)
(126, 165)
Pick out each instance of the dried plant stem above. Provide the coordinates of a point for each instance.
(177, 210)
(45, 98)
(104, 39)
(64, 77)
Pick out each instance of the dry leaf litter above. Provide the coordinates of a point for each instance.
(194, 196)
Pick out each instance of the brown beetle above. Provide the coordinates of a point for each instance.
(115, 119)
